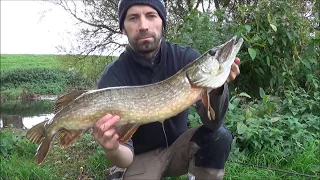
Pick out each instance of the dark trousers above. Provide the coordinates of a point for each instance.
(198, 151)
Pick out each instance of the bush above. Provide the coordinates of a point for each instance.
(89, 67)
(11, 143)
(200, 32)
(273, 126)
(281, 50)
(42, 80)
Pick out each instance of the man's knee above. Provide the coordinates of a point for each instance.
(214, 147)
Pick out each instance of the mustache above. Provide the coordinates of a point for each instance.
(144, 33)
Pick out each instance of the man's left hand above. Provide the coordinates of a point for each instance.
(235, 71)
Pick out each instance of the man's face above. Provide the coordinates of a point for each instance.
(143, 27)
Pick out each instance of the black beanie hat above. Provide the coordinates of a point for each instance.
(158, 5)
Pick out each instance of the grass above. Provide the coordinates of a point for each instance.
(27, 76)
(256, 165)
(82, 159)
(10, 62)
(16, 61)
(85, 159)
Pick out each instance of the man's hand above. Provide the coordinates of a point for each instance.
(235, 71)
(105, 133)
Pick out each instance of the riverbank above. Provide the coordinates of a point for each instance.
(37, 76)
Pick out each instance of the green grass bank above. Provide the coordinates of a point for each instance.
(85, 159)
(27, 76)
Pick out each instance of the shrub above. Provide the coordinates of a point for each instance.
(272, 125)
(281, 50)
(42, 81)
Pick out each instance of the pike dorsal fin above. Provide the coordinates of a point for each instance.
(127, 130)
(65, 99)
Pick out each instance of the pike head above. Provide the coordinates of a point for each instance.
(212, 69)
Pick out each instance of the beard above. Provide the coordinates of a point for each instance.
(145, 46)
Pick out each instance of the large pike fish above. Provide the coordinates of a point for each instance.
(76, 112)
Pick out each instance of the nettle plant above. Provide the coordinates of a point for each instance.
(266, 125)
(280, 46)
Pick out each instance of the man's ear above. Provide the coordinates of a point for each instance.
(124, 32)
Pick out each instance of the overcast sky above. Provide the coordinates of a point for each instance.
(23, 31)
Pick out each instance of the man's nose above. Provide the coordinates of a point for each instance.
(143, 24)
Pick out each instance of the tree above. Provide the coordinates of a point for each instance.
(98, 21)
(274, 36)
(100, 34)
(99, 30)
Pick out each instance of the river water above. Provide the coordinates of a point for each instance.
(25, 114)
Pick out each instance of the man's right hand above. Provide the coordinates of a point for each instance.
(104, 132)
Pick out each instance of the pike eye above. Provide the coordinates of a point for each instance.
(212, 52)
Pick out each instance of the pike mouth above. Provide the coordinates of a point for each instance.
(226, 51)
(235, 40)
(233, 43)
(237, 43)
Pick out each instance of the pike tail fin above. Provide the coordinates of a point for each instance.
(36, 133)
(43, 149)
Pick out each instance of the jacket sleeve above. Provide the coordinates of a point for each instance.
(219, 99)
(111, 79)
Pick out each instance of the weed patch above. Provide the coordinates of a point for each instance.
(18, 83)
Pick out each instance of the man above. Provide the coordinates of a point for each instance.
(154, 151)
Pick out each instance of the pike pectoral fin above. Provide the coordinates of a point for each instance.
(66, 99)
(212, 113)
(36, 133)
(66, 137)
(206, 103)
(127, 130)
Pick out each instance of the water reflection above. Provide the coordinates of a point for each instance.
(25, 114)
